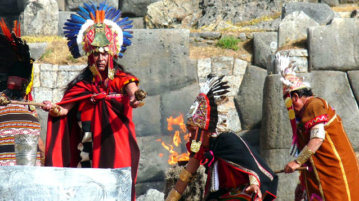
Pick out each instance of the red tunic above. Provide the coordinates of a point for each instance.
(106, 113)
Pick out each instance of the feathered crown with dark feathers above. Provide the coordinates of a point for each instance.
(15, 57)
(203, 112)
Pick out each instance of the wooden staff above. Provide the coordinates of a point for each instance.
(298, 169)
(5, 101)
(27, 103)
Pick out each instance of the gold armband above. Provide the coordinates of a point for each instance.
(173, 195)
(304, 155)
(185, 176)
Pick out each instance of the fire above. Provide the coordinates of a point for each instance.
(174, 156)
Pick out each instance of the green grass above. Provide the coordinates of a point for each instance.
(228, 42)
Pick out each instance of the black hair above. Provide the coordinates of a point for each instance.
(86, 75)
(306, 92)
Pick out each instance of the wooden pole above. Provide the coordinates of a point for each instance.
(299, 169)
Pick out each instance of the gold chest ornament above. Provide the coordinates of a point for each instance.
(195, 146)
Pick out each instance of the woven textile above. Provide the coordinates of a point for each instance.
(15, 120)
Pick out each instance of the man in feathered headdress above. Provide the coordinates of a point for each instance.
(235, 171)
(318, 134)
(92, 125)
(19, 124)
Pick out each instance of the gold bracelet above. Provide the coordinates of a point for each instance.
(304, 155)
(56, 111)
(173, 195)
(185, 176)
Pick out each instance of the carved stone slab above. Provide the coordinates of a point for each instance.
(22, 183)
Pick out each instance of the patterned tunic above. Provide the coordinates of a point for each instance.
(333, 169)
(15, 120)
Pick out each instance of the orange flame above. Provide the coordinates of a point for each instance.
(174, 156)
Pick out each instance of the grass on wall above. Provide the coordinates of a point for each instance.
(228, 42)
(56, 52)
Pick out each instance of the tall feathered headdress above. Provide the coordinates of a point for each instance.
(287, 68)
(290, 82)
(98, 28)
(15, 55)
(203, 112)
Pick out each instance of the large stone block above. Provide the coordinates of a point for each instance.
(319, 12)
(331, 2)
(172, 13)
(135, 7)
(40, 17)
(23, 183)
(153, 158)
(222, 65)
(147, 119)
(48, 77)
(228, 118)
(294, 28)
(276, 128)
(150, 191)
(138, 22)
(353, 77)
(204, 68)
(264, 44)
(61, 4)
(239, 68)
(63, 17)
(160, 56)
(248, 99)
(177, 102)
(277, 159)
(42, 93)
(37, 49)
(334, 47)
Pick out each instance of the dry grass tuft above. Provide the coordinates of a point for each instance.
(244, 51)
(259, 20)
(298, 44)
(42, 39)
(242, 27)
(345, 8)
(56, 52)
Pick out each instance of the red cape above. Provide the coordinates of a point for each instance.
(110, 120)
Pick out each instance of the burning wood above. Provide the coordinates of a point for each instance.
(179, 136)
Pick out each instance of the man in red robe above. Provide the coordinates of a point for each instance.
(92, 125)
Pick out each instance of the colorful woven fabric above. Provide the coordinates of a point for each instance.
(15, 120)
